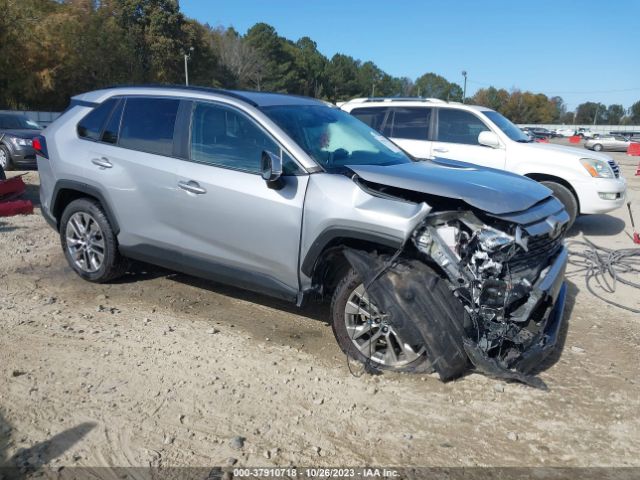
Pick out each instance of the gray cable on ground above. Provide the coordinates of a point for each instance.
(606, 267)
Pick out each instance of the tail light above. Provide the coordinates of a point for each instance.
(40, 146)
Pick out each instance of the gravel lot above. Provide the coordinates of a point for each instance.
(164, 369)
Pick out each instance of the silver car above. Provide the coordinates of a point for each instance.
(611, 143)
(431, 265)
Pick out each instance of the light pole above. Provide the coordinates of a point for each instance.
(464, 91)
(187, 57)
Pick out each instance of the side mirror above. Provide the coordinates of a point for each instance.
(271, 168)
(489, 139)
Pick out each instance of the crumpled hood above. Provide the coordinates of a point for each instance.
(494, 191)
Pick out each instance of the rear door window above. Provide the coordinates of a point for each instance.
(458, 126)
(90, 126)
(148, 125)
(374, 117)
(410, 123)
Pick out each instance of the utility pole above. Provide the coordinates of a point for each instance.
(596, 115)
(187, 57)
(464, 91)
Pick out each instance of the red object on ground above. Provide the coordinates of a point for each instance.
(638, 170)
(16, 207)
(633, 149)
(574, 139)
(12, 186)
(542, 140)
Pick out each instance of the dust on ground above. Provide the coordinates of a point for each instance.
(163, 369)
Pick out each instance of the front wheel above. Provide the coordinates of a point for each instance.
(597, 147)
(364, 334)
(566, 197)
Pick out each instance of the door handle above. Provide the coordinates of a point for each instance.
(440, 150)
(102, 162)
(192, 187)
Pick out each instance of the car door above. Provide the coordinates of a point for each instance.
(133, 163)
(235, 227)
(409, 127)
(456, 138)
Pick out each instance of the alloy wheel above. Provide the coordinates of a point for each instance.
(372, 334)
(4, 159)
(85, 242)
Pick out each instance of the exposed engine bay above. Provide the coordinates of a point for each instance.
(492, 273)
(507, 280)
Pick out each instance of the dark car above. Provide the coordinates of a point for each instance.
(16, 135)
(539, 132)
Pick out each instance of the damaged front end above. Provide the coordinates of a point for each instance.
(505, 272)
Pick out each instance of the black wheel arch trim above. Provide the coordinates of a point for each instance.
(87, 189)
(332, 233)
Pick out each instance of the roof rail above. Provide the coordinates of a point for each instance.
(396, 99)
(195, 88)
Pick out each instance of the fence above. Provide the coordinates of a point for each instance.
(594, 128)
(42, 118)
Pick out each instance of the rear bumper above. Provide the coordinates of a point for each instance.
(51, 220)
(23, 157)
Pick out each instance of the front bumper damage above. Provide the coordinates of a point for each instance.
(475, 293)
(549, 292)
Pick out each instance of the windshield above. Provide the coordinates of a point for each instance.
(509, 129)
(333, 137)
(19, 122)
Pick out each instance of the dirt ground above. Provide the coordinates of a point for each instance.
(163, 369)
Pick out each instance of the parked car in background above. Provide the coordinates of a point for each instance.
(585, 133)
(540, 132)
(529, 134)
(16, 135)
(611, 143)
(428, 129)
(565, 132)
(289, 196)
(633, 135)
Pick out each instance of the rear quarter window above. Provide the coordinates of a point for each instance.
(148, 125)
(91, 125)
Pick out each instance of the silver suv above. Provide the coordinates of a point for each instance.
(429, 265)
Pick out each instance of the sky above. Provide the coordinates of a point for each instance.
(582, 50)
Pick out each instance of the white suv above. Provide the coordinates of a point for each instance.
(585, 182)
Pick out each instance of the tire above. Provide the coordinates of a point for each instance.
(597, 147)
(343, 292)
(5, 159)
(96, 225)
(2, 175)
(566, 197)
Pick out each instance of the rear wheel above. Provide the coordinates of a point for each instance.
(365, 335)
(5, 158)
(566, 197)
(89, 243)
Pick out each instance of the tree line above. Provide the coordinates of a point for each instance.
(51, 50)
